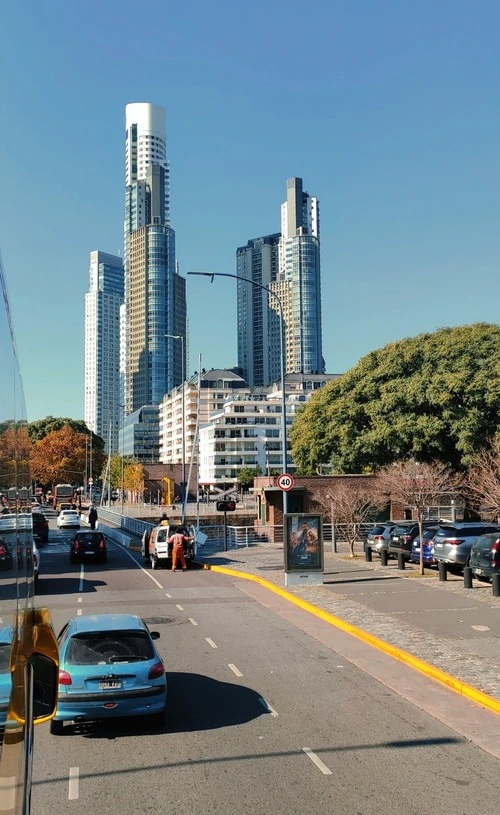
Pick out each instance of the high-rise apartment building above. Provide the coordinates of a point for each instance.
(257, 261)
(102, 347)
(155, 294)
(299, 267)
(288, 263)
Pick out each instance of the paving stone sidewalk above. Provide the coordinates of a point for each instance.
(474, 660)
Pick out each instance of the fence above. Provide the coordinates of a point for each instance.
(237, 536)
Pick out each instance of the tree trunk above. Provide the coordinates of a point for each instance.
(421, 535)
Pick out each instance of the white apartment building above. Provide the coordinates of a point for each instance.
(102, 347)
(215, 387)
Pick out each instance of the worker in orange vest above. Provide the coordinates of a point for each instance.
(177, 541)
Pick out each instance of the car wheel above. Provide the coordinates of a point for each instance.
(56, 728)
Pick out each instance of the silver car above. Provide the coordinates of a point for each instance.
(453, 542)
(378, 537)
(68, 518)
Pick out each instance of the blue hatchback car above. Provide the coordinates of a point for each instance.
(428, 546)
(109, 667)
(6, 634)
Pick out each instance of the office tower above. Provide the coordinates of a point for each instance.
(155, 299)
(299, 267)
(257, 261)
(102, 347)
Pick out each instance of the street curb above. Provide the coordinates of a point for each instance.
(474, 694)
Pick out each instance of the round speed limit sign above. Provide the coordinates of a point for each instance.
(285, 482)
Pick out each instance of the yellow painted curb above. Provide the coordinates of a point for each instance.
(474, 694)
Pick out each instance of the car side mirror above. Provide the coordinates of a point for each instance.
(155, 635)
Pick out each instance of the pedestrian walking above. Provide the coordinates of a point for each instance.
(93, 517)
(177, 541)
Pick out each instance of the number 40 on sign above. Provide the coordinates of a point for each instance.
(285, 482)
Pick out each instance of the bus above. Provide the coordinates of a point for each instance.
(29, 662)
(62, 494)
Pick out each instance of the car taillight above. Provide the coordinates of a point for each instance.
(454, 541)
(156, 671)
(378, 537)
(75, 544)
(3, 550)
(405, 538)
(495, 553)
(101, 544)
(64, 678)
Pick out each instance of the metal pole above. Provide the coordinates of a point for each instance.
(90, 469)
(122, 461)
(184, 494)
(282, 361)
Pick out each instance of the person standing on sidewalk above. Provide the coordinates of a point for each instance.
(177, 541)
(93, 517)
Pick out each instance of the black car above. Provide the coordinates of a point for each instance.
(87, 544)
(403, 535)
(40, 526)
(485, 556)
(5, 555)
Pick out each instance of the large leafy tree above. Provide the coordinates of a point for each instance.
(39, 429)
(246, 476)
(435, 396)
(60, 456)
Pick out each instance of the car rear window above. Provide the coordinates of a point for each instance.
(107, 647)
(464, 531)
(377, 530)
(402, 530)
(89, 537)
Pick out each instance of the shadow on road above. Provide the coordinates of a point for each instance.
(195, 702)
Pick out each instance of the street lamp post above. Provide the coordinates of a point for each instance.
(183, 491)
(282, 359)
(123, 446)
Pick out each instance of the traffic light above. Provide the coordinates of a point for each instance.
(226, 506)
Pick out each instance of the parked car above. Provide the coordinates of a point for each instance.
(40, 526)
(428, 536)
(68, 519)
(453, 542)
(485, 556)
(159, 552)
(6, 634)
(402, 537)
(109, 667)
(5, 555)
(378, 537)
(88, 543)
(36, 562)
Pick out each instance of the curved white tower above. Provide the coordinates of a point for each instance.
(146, 145)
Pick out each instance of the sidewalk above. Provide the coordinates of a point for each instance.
(452, 628)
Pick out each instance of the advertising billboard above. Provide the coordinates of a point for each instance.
(303, 542)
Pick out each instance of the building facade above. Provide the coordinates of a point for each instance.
(140, 434)
(155, 294)
(102, 347)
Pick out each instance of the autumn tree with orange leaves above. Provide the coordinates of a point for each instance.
(60, 457)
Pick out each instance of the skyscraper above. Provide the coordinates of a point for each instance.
(102, 346)
(288, 263)
(155, 298)
(257, 261)
(299, 267)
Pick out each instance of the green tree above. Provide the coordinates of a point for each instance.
(246, 476)
(432, 397)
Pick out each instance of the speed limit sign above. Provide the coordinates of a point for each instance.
(285, 482)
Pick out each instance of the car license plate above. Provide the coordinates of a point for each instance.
(89, 552)
(112, 684)
(478, 571)
(438, 545)
(395, 539)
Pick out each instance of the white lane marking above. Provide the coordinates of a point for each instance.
(316, 760)
(8, 787)
(79, 613)
(73, 791)
(168, 595)
(211, 643)
(192, 621)
(80, 599)
(267, 706)
(234, 669)
(142, 568)
(1, 619)
(179, 607)
(80, 587)
(480, 627)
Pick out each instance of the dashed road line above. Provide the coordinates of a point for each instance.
(316, 760)
(480, 627)
(73, 786)
(267, 706)
(79, 613)
(192, 621)
(168, 595)
(80, 599)
(234, 669)
(181, 608)
(82, 571)
(211, 643)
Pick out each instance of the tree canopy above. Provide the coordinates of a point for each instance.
(39, 429)
(432, 397)
(60, 456)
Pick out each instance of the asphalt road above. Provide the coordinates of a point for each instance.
(262, 717)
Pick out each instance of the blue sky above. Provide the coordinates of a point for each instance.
(388, 109)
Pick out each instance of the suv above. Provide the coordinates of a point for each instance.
(453, 542)
(403, 535)
(485, 556)
(88, 542)
(378, 537)
(158, 551)
(40, 526)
